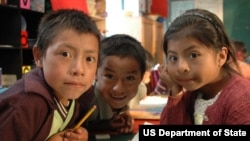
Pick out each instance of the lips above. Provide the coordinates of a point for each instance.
(75, 84)
(118, 97)
(184, 81)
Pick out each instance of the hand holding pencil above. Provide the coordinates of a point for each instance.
(85, 117)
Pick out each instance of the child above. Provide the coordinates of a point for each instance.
(240, 49)
(121, 69)
(41, 106)
(204, 87)
(241, 55)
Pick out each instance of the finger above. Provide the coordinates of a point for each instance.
(130, 121)
(126, 130)
(78, 134)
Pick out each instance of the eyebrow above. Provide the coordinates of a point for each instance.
(131, 72)
(65, 45)
(186, 50)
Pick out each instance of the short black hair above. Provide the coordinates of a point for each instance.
(123, 45)
(55, 22)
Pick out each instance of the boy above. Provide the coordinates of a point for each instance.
(42, 106)
(120, 71)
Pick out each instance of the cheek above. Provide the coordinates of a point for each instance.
(132, 91)
(132, 95)
(170, 70)
(103, 86)
(91, 73)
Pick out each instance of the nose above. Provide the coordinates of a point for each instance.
(119, 87)
(78, 67)
(183, 65)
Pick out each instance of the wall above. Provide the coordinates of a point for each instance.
(119, 20)
(237, 20)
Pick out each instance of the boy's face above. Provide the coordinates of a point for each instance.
(118, 79)
(70, 63)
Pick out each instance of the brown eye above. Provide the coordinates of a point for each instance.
(194, 55)
(109, 76)
(172, 58)
(90, 59)
(65, 54)
(130, 78)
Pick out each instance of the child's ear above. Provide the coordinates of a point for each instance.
(223, 56)
(37, 56)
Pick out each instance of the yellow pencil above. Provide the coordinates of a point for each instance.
(85, 117)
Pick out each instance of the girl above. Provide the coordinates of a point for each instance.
(205, 89)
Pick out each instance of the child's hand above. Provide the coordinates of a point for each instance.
(164, 76)
(80, 134)
(129, 123)
(123, 123)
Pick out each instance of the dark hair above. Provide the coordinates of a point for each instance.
(204, 27)
(240, 46)
(54, 22)
(123, 45)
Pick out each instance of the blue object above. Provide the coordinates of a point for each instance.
(160, 19)
(2, 90)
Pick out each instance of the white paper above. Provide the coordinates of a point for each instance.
(136, 136)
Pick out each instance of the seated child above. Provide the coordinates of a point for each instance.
(41, 105)
(204, 87)
(120, 71)
(241, 55)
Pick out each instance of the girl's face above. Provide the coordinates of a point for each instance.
(192, 64)
(118, 80)
(70, 64)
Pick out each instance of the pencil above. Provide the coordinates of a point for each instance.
(85, 117)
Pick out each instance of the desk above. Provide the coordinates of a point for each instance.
(127, 137)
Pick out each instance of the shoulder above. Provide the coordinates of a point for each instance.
(21, 99)
(31, 88)
(245, 69)
(26, 95)
(237, 89)
(237, 84)
(24, 106)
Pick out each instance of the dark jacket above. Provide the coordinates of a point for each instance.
(26, 109)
